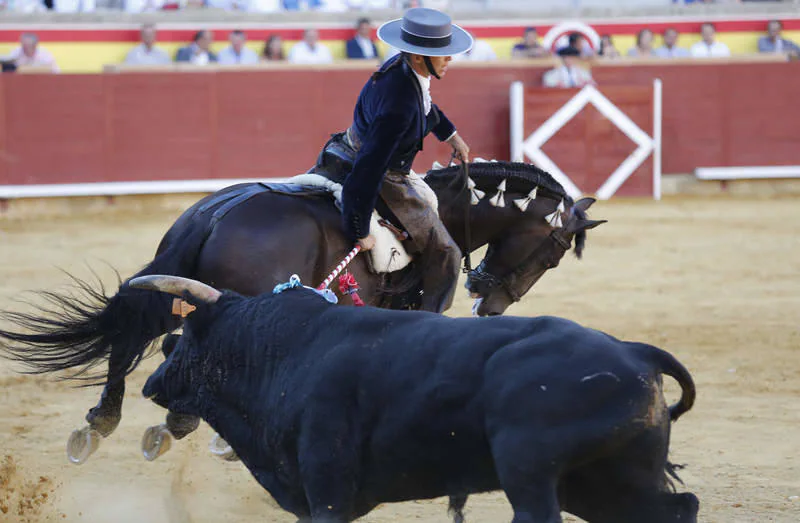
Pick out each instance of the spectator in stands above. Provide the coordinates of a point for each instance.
(607, 48)
(709, 47)
(30, 54)
(644, 45)
(309, 50)
(227, 5)
(577, 41)
(481, 51)
(529, 47)
(199, 52)
(72, 6)
(774, 43)
(237, 53)
(273, 49)
(568, 74)
(140, 6)
(670, 48)
(301, 5)
(147, 53)
(361, 46)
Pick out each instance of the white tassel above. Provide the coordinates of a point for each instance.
(523, 203)
(476, 194)
(497, 200)
(436, 166)
(554, 219)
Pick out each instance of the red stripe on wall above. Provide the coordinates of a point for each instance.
(185, 35)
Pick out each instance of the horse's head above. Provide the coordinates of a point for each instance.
(515, 261)
(527, 220)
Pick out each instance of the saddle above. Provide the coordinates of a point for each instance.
(388, 255)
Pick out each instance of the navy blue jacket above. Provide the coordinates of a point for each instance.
(390, 122)
(354, 50)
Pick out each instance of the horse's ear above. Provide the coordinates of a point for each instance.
(590, 224)
(584, 204)
(584, 225)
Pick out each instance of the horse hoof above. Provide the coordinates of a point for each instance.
(220, 448)
(156, 441)
(82, 444)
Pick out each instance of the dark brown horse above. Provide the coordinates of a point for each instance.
(248, 238)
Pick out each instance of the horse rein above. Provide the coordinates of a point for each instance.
(467, 230)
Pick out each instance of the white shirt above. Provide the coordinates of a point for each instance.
(481, 52)
(139, 55)
(567, 77)
(229, 57)
(427, 102)
(366, 46)
(301, 53)
(41, 58)
(425, 85)
(715, 50)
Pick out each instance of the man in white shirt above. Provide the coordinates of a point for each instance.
(147, 53)
(709, 47)
(309, 50)
(481, 52)
(568, 75)
(30, 54)
(237, 53)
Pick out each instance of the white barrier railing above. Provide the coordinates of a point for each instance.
(123, 188)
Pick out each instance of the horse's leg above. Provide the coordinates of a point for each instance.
(103, 418)
(106, 415)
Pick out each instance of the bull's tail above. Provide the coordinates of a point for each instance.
(667, 364)
(80, 329)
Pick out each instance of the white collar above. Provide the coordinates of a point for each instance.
(424, 81)
(425, 85)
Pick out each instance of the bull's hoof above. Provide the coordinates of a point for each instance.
(220, 448)
(156, 441)
(82, 444)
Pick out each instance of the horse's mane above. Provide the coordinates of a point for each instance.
(528, 174)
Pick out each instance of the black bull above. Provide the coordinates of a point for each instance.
(335, 410)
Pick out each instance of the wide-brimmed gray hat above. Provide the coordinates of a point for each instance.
(425, 32)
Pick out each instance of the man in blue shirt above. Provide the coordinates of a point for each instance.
(393, 114)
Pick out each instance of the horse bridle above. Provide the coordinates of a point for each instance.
(479, 274)
(506, 282)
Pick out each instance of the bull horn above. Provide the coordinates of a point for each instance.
(177, 286)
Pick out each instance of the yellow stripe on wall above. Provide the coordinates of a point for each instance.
(90, 57)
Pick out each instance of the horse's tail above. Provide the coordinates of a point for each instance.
(80, 329)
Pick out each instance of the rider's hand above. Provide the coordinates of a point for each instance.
(460, 147)
(367, 243)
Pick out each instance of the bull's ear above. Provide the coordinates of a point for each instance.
(584, 204)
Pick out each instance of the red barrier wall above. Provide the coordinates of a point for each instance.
(158, 126)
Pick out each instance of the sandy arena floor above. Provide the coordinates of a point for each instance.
(714, 281)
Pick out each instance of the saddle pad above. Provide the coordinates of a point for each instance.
(388, 255)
